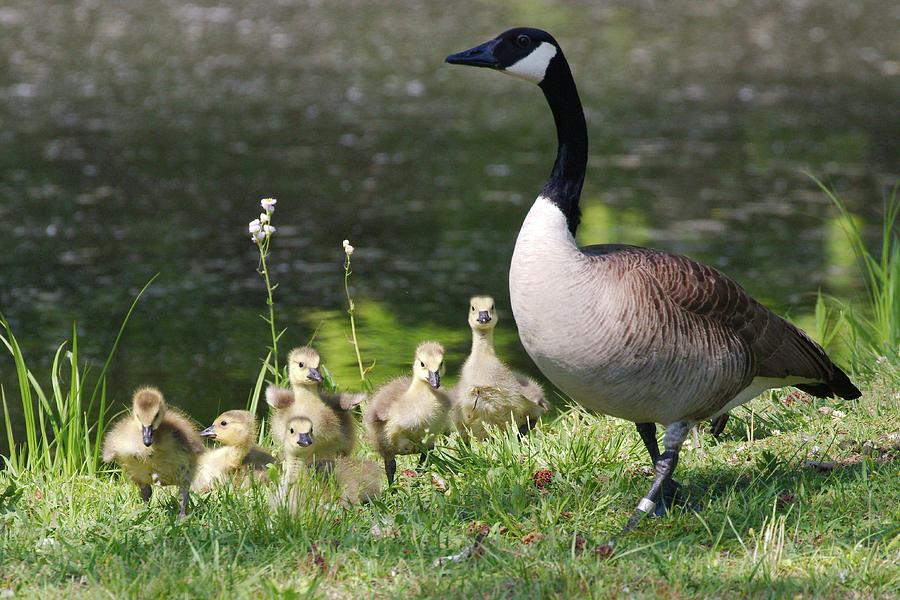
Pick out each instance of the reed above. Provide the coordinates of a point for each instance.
(62, 430)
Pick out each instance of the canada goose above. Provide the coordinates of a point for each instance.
(489, 393)
(155, 444)
(406, 414)
(640, 334)
(357, 480)
(331, 413)
(236, 431)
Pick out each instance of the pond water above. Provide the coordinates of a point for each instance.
(137, 138)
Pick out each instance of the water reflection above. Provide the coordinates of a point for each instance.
(137, 139)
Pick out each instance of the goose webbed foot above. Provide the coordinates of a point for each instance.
(146, 493)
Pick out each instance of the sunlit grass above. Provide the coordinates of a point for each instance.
(871, 331)
(767, 524)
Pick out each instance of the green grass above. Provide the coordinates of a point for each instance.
(871, 331)
(831, 534)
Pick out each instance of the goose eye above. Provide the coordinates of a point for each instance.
(300, 364)
(223, 423)
(523, 41)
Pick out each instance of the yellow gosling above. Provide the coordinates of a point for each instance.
(407, 414)
(489, 393)
(236, 431)
(304, 481)
(156, 444)
(330, 413)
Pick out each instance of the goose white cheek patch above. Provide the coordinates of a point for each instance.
(534, 66)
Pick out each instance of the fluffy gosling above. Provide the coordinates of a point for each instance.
(330, 413)
(354, 480)
(236, 431)
(489, 393)
(155, 444)
(406, 414)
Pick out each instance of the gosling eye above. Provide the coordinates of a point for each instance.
(492, 308)
(223, 423)
(473, 308)
(292, 430)
(300, 364)
(421, 364)
(523, 41)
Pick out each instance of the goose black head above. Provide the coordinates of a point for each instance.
(522, 52)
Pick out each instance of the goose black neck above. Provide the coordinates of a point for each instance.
(563, 187)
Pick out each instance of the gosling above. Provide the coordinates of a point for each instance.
(331, 413)
(489, 393)
(236, 431)
(406, 414)
(155, 444)
(355, 480)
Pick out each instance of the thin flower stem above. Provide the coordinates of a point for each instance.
(350, 309)
(263, 252)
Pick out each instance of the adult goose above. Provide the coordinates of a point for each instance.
(636, 333)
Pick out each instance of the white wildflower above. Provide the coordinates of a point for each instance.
(260, 236)
(348, 249)
(255, 226)
(263, 217)
(268, 230)
(268, 204)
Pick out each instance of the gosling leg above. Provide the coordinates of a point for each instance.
(422, 458)
(146, 492)
(525, 427)
(185, 499)
(665, 465)
(390, 468)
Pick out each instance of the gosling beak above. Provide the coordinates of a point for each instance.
(479, 56)
(304, 440)
(483, 317)
(434, 379)
(314, 375)
(148, 435)
(209, 432)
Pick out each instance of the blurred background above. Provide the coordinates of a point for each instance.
(137, 138)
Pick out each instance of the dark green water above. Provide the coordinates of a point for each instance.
(137, 138)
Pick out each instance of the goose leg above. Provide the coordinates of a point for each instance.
(665, 465)
(146, 492)
(670, 486)
(390, 468)
(718, 424)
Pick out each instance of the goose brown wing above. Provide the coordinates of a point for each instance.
(775, 348)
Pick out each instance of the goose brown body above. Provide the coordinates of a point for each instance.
(659, 337)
